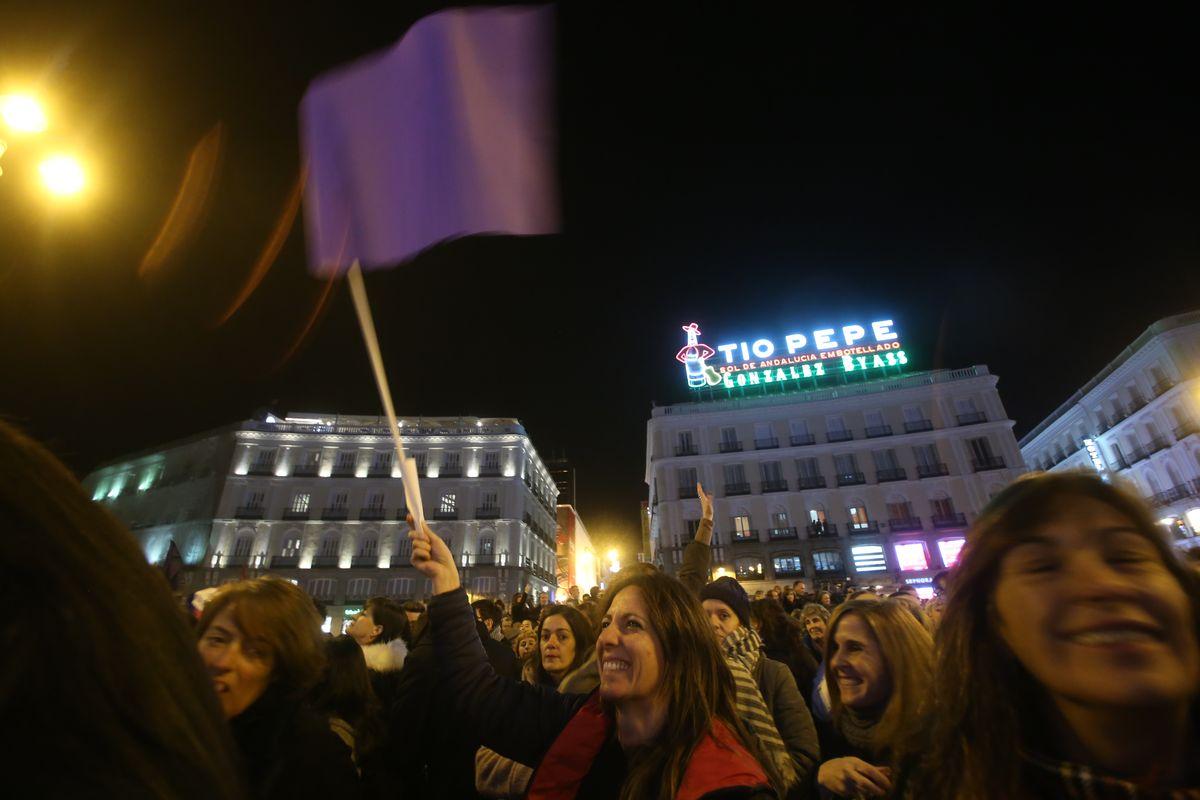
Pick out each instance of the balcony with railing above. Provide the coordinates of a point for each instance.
(851, 478)
(766, 444)
(687, 450)
(236, 560)
(1145, 451)
(294, 515)
(260, 468)
(343, 471)
(1136, 404)
(730, 447)
(822, 529)
(932, 470)
(450, 472)
(372, 513)
(985, 464)
(777, 534)
(904, 524)
(380, 471)
(687, 492)
(360, 562)
(248, 512)
(974, 418)
(894, 474)
(802, 439)
(871, 526)
(1176, 493)
(956, 520)
(811, 482)
(736, 488)
(774, 486)
(305, 471)
(487, 512)
(743, 537)
(335, 513)
(489, 471)
(285, 562)
(879, 430)
(788, 572)
(918, 426)
(444, 515)
(839, 436)
(324, 561)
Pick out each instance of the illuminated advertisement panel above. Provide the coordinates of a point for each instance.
(950, 550)
(911, 556)
(869, 347)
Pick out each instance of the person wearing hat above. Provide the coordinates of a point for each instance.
(790, 726)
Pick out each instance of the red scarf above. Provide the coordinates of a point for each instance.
(718, 762)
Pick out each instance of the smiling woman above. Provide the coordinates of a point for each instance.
(663, 723)
(1068, 652)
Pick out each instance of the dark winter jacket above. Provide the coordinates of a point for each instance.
(797, 658)
(525, 722)
(792, 718)
(288, 751)
(500, 655)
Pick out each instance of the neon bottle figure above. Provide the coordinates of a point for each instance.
(693, 356)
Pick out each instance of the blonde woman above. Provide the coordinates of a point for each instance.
(879, 675)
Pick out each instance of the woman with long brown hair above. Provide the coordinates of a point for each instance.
(663, 723)
(879, 675)
(1068, 660)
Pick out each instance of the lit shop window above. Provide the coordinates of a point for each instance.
(868, 558)
(950, 550)
(925, 592)
(912, 556)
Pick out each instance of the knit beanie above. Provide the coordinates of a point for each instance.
(731, 593)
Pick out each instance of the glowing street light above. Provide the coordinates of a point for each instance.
(63, 175)
(22, 113)
(615, 563)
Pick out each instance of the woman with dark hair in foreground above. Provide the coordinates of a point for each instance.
(99, 681)
(1067, 654)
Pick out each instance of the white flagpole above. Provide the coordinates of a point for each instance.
(408, 466)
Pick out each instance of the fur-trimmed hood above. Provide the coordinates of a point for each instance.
(385, 656)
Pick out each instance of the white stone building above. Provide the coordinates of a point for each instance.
(1136, 421)
(866, 483)
(317, 498)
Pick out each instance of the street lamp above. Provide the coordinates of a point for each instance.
(615, 564)
(22, 113)
(63, 175)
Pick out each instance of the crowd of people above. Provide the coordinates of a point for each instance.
(1059, 659)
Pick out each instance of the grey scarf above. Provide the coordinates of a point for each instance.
(743, 650)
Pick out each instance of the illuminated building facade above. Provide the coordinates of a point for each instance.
(1136, 422)
(578, 564)
(317, 498)
(852, 469)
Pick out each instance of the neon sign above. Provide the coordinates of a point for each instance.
(794, 357)
(1093, 451)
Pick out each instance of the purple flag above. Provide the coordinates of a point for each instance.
(448, 133)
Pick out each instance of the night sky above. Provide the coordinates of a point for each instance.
(1017, 191)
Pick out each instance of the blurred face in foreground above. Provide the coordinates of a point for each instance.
(630, 655)
(856, 663)
(1090, 610)
(240, 668)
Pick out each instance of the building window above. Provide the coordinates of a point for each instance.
(779, 520)
(735, 476)
(322, 588)
(787, 565)
(452, 462)
(300, 502)
(403, 548)
(339, 500)
(687, 446)
(858, 518)
(329, 546)
(484, 585)
(741, 528)
(291, 547)
(368, 548)
(375, 501)
(491, 500)
(772, 472)
(254, 500)
(487, 545)
(950, 550)
(808, 467)
(885, 460)
(899, 509)
(748, 568)
(687, 482)
(345, 461)
(242, 547)
(827, 561)
(448, 503)
(399, 587)
(912, 556)
(943, 507)
(868, 558)
(926, 455)
(693, 525)
(383, 462)
(981, 449)
(360, 588)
